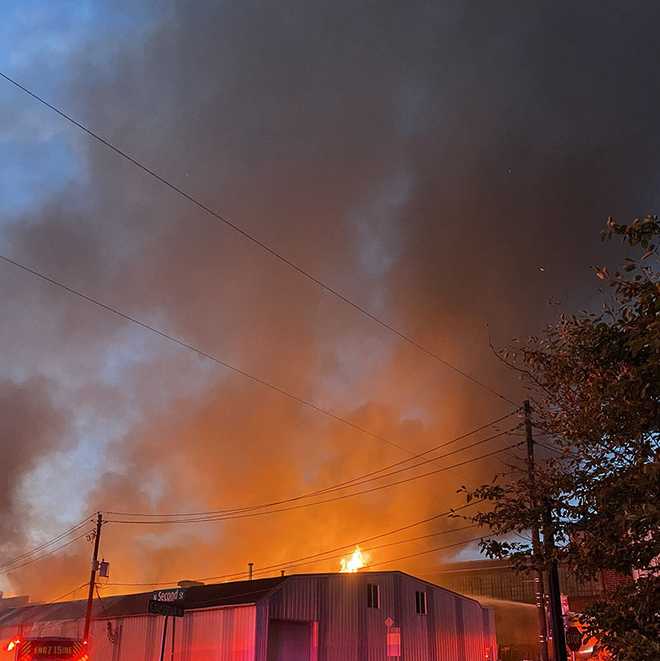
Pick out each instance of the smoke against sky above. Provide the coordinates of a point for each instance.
(423, 158)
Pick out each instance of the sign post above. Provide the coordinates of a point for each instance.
(167, 603)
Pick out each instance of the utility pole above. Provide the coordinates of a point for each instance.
(250, 570)
(92, 576)
(537, 567)
(558, 632)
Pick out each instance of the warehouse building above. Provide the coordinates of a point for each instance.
(368, 616)
(498, 579)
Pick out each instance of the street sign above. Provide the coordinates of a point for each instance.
(167, 602)
(164, 608)
(169, 596)
(574, 639)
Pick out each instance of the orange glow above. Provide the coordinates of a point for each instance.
(356, 561)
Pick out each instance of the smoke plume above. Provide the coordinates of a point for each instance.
(446, 166)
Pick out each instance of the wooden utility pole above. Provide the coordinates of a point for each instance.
(537, 566)
(92, 576)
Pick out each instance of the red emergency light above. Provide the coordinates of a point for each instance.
(52, 649)
(12, 645)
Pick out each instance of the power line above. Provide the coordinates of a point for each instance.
(368, 549)
(201, 352)
(356, 482)
(66, 594)
(320, 502)
(433, 550)
(250, 237)
(47, 554)
(44, 545)
(318, 555)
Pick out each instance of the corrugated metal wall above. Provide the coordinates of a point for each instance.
(64, 628)
(219, 634)
(490, 637)
(449, 645)
(473, 622)
(454, 628)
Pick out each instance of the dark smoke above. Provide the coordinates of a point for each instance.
(31, 427)
(427, 159)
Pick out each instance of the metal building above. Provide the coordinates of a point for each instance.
(368, 616)
(498, 579)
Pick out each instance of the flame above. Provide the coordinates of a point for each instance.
(356, 561)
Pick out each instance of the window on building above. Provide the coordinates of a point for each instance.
(373, 595)
(421, 603)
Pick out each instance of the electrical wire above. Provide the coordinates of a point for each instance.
(433, 550)
(369, 549)
(371, 564)
(66, 594)
(250, 237)
(50, 542)
(356, 481)
(201, 352)
(314, 556)
(13, 568)
(227, 517)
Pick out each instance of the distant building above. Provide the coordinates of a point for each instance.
(368, 616)
(12, 602)
(497, 579)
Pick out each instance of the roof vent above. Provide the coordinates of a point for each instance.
(189, 584)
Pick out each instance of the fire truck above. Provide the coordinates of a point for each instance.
(48, 649)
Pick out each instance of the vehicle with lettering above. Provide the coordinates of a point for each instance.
(48, 649)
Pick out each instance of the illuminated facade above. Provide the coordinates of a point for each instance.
(365, 616)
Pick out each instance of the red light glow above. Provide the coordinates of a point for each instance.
(12, 644)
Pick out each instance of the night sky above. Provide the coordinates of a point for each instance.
(446, 165)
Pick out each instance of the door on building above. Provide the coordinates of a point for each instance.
(289, 641)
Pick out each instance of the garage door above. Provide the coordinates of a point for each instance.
(289, 641)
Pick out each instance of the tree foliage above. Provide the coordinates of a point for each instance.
(595, 384)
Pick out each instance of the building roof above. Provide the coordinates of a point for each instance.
(198, 596)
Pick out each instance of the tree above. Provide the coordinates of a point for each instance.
(595, 383)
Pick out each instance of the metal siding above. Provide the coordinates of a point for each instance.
(222, 634)
(460, 628)
(446, 634)
(490, 638)
(432, 627)
(455, 629)
(296, 600)
(342, 602)
(473, 626)
(376, 631)
(414, 627)
(63, 628)
(137, 635)
(323, 609)
(261, 631)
